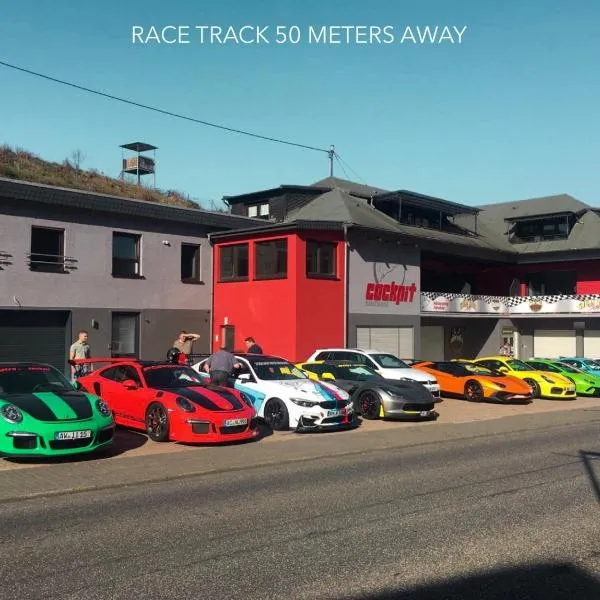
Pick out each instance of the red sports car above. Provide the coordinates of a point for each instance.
(171, 402)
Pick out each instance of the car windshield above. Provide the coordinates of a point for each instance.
(480, 370)
(519, 365)
(389, 361)
(167, 376)
(568, 368)
(350, 372)
(32, 379)
(277, 370)
(540, 366)
(594, 364)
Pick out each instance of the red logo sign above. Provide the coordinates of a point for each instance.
(390, 292)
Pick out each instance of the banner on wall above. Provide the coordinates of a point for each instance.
(438, 302)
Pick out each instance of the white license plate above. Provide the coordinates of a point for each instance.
(73, 435)
(570, 389)
(336, 413)
(424, 413)
(235, 422)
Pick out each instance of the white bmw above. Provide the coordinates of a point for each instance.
(286, 398)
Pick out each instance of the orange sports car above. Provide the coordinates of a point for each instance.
(477, 383)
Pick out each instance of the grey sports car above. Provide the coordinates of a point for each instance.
(375, 397)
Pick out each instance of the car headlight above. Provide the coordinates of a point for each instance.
(305, 403)
(11, 413)
(184, 404)
(103, 408)
(545, 378)
(247, 399)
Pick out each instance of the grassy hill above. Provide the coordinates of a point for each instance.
(20, 164)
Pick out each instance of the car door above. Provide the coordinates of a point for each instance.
(247, 381)
(126, 401)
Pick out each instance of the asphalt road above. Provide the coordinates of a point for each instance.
(513, 516)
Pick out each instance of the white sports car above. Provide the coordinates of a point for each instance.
(286, 398)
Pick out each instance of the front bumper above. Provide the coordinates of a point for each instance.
(201, 431)
(22, 444)
(307, 423)
(412, 415)
(557, 392)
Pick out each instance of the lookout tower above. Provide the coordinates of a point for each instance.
(138, 164)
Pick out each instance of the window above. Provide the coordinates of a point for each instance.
(234, 262)
(126, 255)
(552, 282)
(47, 250)
(536, 230)
(271, 259)
(320, 259)
(264, 210)
(190, 263)
(253, 211)
(125, 335)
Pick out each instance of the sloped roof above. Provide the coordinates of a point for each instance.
(533, 207)
(356, 189)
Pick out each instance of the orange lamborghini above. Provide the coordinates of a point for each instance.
(477, 383)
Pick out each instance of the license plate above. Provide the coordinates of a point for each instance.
(336, 413)
(424, 413)
(73, 435)
(235, 422)
(570, 389)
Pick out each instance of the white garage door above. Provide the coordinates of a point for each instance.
(432, 342)
(399, 341)
(553, 343)
(591, 344)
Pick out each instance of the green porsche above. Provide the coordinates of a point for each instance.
(586, 384)
(42, 414)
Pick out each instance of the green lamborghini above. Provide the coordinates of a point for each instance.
(42, 414)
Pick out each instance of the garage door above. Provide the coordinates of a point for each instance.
(398, 341)
(591, 344)
(32, 335)
(553, 343)
(432, 342)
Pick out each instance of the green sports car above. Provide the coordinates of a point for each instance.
(41, 414)
(586, 384)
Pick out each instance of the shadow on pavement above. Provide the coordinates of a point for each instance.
(587, 459)
(123, 441)
(560, 581)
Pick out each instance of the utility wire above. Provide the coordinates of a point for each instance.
(160, 110)
(342, 163)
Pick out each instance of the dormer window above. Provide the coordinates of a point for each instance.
(259, 211)
(544, 228)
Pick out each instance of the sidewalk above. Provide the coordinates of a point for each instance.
(164, 462)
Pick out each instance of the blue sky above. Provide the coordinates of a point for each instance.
(510, 113)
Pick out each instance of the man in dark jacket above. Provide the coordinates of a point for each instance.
(252, 346)
(220, 367)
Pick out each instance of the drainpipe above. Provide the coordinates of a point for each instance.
(346, 284)
(212, 294)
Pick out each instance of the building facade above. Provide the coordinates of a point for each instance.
(417, 276)
(130, 273)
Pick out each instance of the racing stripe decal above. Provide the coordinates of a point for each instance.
(326, 392)
(215, 400)
(33, 406)
(69, 405)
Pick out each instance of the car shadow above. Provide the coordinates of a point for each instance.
(124, 440)
(587, 458)
(525, 582)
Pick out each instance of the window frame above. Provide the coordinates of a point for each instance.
(137, 261)
(318, 247)
(276, 274)
(42, 266)
(235, 262)
(197, 271)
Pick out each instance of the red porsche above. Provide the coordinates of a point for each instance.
(170, 402)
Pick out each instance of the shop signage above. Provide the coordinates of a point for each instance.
(390, 292)
(434, 302)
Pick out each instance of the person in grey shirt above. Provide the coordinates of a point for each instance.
(220, 367)
(80, 349)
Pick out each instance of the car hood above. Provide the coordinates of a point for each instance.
(210, 397)
(415, 374)
(52, 406)
(313, 390)
(413, 392)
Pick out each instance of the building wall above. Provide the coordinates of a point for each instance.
(88, 239)
(366, 320)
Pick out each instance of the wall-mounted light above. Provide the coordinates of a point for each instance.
(166, 243)
(94, 324)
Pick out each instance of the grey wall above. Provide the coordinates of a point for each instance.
(361, 320)
(88, 239)
(371, 261)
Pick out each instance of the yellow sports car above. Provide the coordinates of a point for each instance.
(544, 385)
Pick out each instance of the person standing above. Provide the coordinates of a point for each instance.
(220, 367)
(185, 343)
(252, 347)
(80, 350)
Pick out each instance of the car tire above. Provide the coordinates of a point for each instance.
(473, 391)
(157, 423)
(535, 387)
(276, 415)
(369, 405)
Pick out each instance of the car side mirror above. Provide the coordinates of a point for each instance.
(503, 370)
(328, 376)
(130, 384)
(244, 377)
(77, 385)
